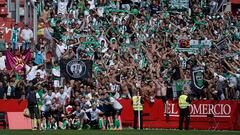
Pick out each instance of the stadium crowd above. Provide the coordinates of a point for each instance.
(134, 45)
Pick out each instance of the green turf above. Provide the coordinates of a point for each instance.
(124, 132)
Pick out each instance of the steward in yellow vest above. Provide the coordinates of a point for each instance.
(182, 102)
(137, 103)
(184, 112)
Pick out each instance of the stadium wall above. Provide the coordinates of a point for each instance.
(205, 114)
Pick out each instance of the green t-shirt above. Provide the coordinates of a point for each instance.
(135, 11)
(81, 6)
(14, 35)
(2, 45)
(40, 94)
(165, 63)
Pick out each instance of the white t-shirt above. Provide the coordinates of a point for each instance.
(48, 98)
(62, 6)
(116, 105)
(62, 97)
(137, 1)
(2, 62)
(33, 71)
(237, 75)
(233, 80)
(81, 114)
(42, 73)
(114, 87)
(91, 3)
(94, 113)
(60, 49)
(27, 34)
(100, 11)
(56, 72)
(47, 102)
(221, 78)
(88, 104)
(89, 95)
(213, 3)
(68, 90)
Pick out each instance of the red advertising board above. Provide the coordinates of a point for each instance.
(12, 105)
(205, 114)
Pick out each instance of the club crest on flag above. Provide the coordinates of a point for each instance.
(76, 68)
(198, 77)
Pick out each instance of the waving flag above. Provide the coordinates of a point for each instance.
(17, 61)
(76, 69)
(197, 75)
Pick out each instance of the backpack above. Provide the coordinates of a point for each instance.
(32, 99)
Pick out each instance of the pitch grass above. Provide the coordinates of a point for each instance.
(124, 132)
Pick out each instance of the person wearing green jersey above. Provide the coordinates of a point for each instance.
(15, 37)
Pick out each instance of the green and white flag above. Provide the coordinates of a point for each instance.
(189, 50)
(197, 76)
(181, 83)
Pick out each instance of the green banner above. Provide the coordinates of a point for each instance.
(189, 50)
(116, 10)
(180, 84)
(200, 43)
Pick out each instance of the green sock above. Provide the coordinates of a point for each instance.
(48, 125)
(105, 122)
(118, 124)
(115, 124)
(100, 123)
(76, 124)
(64, 124)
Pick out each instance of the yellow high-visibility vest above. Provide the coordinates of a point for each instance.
(183, 104)
(137, 106)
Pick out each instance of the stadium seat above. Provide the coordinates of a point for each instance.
(3, 120)
(3, 2)
(9, 20)
(3, 11)
(22, 3)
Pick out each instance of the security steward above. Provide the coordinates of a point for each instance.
(137, 103)
(33, 108)
(184, 103)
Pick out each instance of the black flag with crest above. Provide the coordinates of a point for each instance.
(75, 69)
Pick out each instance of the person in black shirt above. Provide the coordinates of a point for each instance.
(125, 4)
(106, 107)
(20, 89)
(33, 108)
(2, 90)
(98, 54)
(154, 8)
(176, 74)
(37, 80)
(184, 102)
(58, 30)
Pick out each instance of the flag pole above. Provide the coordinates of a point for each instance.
(138, 104)
(138, 119)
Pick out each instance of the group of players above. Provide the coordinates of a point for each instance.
(50, 110)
